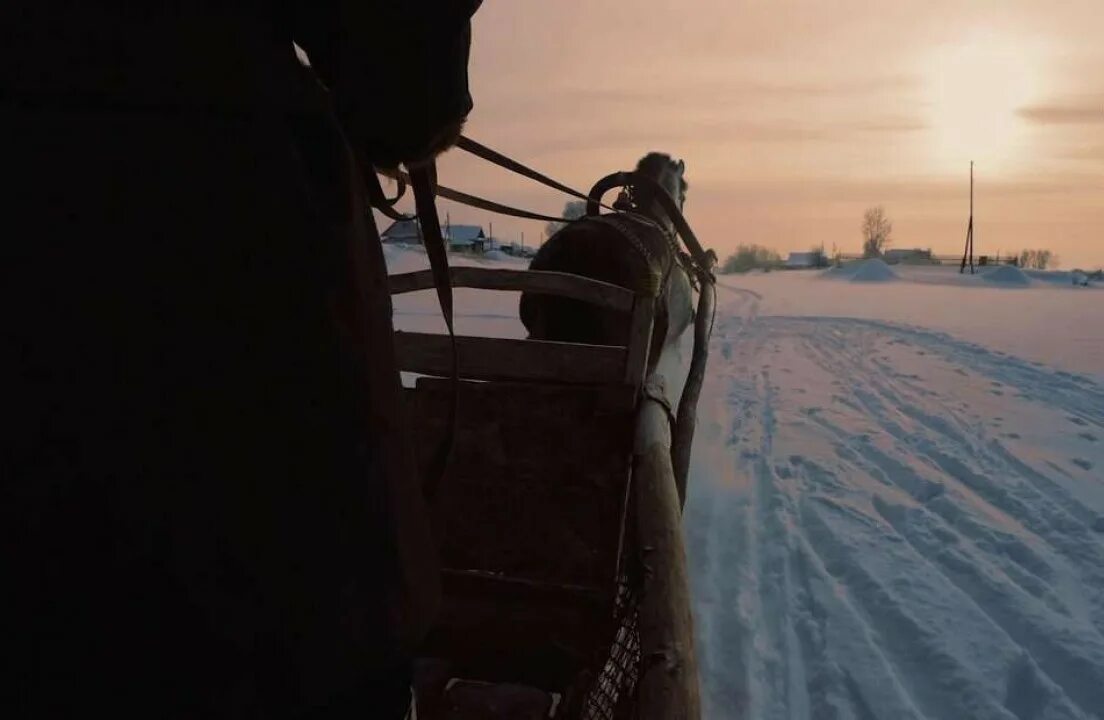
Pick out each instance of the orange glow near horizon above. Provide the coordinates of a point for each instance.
(793, 116)
(976, 87)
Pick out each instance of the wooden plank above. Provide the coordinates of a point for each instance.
(546, 511)
(566, 285)
(600, 399)
(500, 359)
(668, 686)
(640, 340)
(522, 589)
(534, 638)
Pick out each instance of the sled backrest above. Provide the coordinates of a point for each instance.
(531, 360)
(531, 514)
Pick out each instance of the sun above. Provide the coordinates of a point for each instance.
(975, 89)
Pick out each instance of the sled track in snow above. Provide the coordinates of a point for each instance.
(869, 538)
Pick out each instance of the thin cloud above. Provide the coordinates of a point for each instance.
(721, 131)
(888, 126)
(905, 191)
(1088, 153)
(1082, 112)
(858, 86)
(738, 87)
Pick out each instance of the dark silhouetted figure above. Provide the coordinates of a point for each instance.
(209, 506)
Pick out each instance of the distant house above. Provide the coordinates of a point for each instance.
(798, 260)
(514, 249)
(894, 256)
(403, 231)
(460, 238)
(466, 239)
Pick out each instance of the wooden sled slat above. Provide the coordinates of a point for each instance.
(534, 281)
(524, 360)
(640, 335)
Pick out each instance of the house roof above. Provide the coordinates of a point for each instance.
(463, 234)
(802, 258)
(404, 229)
(454, 234)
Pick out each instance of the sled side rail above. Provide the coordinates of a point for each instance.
(522, 360)
(668, 686)
(566, 285)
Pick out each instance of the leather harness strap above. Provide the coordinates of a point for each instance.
(473, 200)
(423, 180)
(482, 151)
(379, 199)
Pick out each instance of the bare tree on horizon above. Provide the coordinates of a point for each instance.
(876, 230)
(1037, 259)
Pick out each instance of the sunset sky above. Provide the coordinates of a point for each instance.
(795, 115)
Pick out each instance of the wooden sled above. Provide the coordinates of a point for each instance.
(558, 520)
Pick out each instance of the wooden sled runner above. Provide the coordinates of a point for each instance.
(558, 520)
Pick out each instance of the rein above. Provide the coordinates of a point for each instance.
(423, 180)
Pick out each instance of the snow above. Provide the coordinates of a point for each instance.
(872, 270)
(1056, 324)
(896, 507)
(892, 515)
(1007, 275)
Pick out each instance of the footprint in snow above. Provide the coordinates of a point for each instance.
(1012, 436)
(1082, 463)
(1077, 421)
(1087, 436)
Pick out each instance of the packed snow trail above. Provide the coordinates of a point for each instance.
(887, 522)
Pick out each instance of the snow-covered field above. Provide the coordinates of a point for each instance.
(897, 508)
(897, 501)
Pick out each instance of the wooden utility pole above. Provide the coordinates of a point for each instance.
(969, 251)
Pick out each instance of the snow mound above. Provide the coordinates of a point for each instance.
(495, 255)
(872, 270)
(1008, 276)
